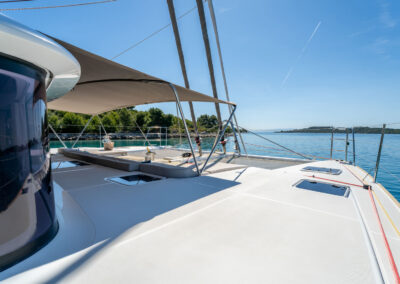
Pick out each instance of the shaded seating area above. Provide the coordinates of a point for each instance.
(159, 169)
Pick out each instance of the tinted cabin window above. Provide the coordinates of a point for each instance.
(324, 187)
(26, 197)
(331, 171)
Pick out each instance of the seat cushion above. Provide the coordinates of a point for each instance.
(110, 162)
(167, 170)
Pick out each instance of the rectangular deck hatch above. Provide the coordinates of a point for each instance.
(67, 164)
(134, 179)
(330, 171)
(323, 187)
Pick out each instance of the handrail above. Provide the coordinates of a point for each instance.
(351, 153)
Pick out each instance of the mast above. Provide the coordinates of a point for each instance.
(200, 9)
(171, 9)
(214, 22)
(181, 56)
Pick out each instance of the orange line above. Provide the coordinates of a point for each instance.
(336, 181)
(388, 250)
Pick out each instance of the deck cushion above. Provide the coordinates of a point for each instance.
(168, 171)
(110, 162)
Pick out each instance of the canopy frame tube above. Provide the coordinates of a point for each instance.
(178, 102)
(221, 133)
(236, 138)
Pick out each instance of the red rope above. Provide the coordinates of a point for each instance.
(335, 181)
(388, 250)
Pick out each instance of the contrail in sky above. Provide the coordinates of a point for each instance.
(301, 54)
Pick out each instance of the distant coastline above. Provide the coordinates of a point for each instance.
(328, 129)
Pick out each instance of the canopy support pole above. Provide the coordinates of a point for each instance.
(236, 138)
(181, 57)
(178, 103)
(179, 125)
(200, 9)
(83, 130)
(58, 137)
(214, 22)
(221, 133)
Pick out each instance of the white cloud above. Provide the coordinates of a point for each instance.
(224, 10)
(379, 45)
(385, 17)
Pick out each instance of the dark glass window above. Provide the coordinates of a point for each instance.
(27, 214)
(324, 187)
(67, 164)
(133, 179)
(323, 170)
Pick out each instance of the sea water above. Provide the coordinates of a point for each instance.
(314, 144)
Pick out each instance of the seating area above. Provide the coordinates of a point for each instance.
(159, 169)
(171, 162)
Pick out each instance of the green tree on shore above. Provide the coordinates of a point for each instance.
(126, 120)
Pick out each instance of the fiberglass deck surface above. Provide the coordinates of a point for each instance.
(247, 225)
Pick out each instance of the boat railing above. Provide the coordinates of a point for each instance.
(152, 135)
(347, 149)
(159, 135)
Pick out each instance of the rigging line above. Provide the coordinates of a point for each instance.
(152, 34)
(273, 142)
(58, 6)
(260, 146)
(13, 1)
(388, 172)
(381, 167)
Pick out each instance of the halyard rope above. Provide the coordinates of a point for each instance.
(58, 6)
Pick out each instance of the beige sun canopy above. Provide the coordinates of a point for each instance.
(105, 85)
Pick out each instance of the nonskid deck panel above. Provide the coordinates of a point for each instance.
(243, 225)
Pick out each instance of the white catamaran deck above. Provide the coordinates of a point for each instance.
(248, 225)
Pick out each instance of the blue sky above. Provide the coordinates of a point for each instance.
(288, 63)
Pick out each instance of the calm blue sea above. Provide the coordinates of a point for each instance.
(317, 144)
